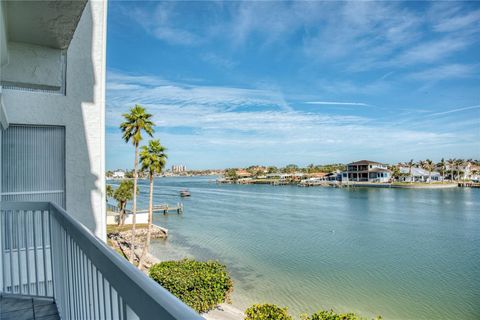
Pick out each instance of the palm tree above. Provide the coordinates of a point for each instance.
(421, 164)
(442, 165)
(122, 194)
(135, 122)
(410, 165)
(429, 166)
(451, 165)
(395, 172)
(153, 159)
(459, 163)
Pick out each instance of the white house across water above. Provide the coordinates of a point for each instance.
(366, 171)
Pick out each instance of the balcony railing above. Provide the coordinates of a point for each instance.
(47, 253)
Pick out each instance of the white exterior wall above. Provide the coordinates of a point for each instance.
(82, 111)
(141, 218)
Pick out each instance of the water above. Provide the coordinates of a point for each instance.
(404, 254)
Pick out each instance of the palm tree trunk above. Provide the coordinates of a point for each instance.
(149, 231)
(119, 215)
(134, 209)
(121, 218)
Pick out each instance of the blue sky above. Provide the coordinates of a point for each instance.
(232, 84)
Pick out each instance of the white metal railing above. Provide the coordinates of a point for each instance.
(45, 252)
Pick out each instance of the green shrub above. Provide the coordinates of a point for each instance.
(201, 285)
(266, 312)
(331, 315)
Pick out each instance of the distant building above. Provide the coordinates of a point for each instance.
(366, 171)
(418, 175)
(179, 168)
(468, 171)
(242, 173)
(474, 173)
(119, 174)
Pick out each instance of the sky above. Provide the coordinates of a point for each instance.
(233, 84)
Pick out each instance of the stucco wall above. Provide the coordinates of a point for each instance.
(35, 66)
(82, 111)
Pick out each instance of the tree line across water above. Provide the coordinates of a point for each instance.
(451, 169)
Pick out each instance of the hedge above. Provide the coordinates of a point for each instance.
(266, 312)
(201, 285)
(331, 315)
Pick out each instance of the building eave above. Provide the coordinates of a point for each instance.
(43, 23)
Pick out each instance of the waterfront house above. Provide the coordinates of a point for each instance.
(418, 175)
(468, 171)
(334, 176)
(366, 171)
(242, 173)
(474, 173)
(320, 176)
(53, 256)
(118, 174)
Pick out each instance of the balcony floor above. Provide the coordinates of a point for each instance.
(26, 308)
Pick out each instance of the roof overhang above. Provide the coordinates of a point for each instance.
(43, 23)
(35, 36)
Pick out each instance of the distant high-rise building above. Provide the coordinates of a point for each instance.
(179, 168)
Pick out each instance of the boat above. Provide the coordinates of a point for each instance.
(184, 193)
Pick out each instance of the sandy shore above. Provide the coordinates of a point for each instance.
(120, 240)
(224, 312)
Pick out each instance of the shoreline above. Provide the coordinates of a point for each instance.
(336, 184)
(119, 240)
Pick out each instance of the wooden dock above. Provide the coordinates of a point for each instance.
(469, 184)
(164, 208)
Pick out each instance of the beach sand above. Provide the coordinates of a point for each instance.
(224, 312)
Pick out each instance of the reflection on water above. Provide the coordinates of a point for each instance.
(405, 254)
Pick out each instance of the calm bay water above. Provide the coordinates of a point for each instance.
(404, 254)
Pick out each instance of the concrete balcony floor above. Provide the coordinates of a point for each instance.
(27, 308)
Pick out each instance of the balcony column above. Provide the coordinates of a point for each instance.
(3, 61)
(3, 114)
(3, 38)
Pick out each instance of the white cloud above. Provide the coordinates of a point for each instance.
(162, 23)
(338, 103)
(457, 110)
(357, 35)
(444, 72)
(431, 51)
(212, 123)
(448, 16)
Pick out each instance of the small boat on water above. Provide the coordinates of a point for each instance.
(184, 193)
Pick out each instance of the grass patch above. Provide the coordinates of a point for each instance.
(421, 183)
(112, 228)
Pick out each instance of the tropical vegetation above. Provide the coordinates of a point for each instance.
(136, 122)
(267, 312)
(200, 284)
(153, 159)
(273, 312)
(109, 191)
(122, 194)
(332, 315)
